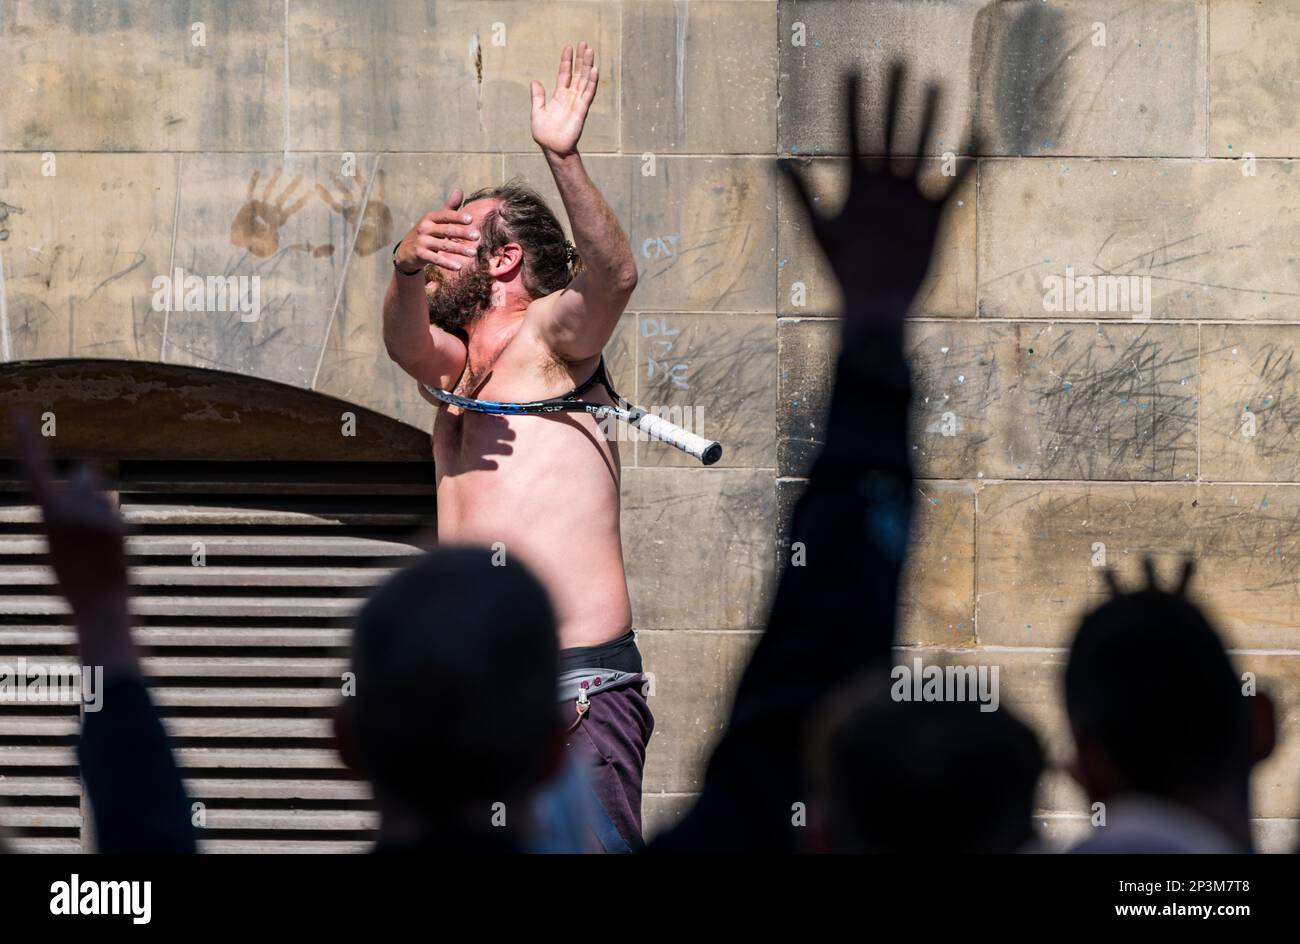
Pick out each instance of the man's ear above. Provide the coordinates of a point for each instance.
(1263, 725)
(506, 260)
(345, 740)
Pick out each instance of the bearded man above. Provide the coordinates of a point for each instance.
(489, 301)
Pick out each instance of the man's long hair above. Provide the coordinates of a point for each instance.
(523, 217)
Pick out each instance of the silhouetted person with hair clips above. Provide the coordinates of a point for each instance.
(1165, 737)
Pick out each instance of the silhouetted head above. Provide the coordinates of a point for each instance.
(1154, 702)
(455, 708)
(521, 248)
(932, 776)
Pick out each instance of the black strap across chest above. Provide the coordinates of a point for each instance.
(598, 376)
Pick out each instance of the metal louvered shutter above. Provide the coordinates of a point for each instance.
(40, 792)
(245, 654)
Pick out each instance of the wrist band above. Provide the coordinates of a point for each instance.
(399, 268)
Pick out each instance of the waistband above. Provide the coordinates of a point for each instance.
(621, 654)
(581, 684)
(589, 670)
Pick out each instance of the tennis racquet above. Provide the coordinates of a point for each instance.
(706, 450)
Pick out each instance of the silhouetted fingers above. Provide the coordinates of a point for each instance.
(852, 100)
(1149, 568)
(1189, 568)
(893, 104)
(87, 477)
(33, 459)
(1112, 581)
(927, 122)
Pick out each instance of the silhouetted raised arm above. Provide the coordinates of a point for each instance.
(132, 782)
(835, 614)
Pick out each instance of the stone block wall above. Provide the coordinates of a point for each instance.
(297, 139)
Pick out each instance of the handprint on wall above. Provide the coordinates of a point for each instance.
(373, 220)
(256, 226)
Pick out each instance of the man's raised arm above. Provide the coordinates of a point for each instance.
(443, 238)
(577, 321)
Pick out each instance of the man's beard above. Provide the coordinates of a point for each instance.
(460, 299)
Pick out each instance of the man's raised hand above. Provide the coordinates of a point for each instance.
(557, 124)
(443, 238)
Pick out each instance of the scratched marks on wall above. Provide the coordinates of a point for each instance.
(701, 236)
(1043, 550)
(85, 234)
(1054, 401)
(1251, 425)
(955, 385)
(808, 349)
(1104, 402)
(722, 368)
(1216, 242)
(730, 509)
(936, 606)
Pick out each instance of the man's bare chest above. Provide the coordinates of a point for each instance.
(504, 377)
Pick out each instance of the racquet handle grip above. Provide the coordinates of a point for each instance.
(706, 450)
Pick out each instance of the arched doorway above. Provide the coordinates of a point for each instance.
(260, 515)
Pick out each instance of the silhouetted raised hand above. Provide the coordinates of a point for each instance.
(880, 242)
(87, 551)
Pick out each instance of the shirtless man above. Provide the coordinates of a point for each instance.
(488, 300)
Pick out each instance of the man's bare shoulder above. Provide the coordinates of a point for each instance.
(541, 308)
(539, 342)
(457, 366)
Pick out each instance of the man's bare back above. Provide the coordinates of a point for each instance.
(545, 488)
